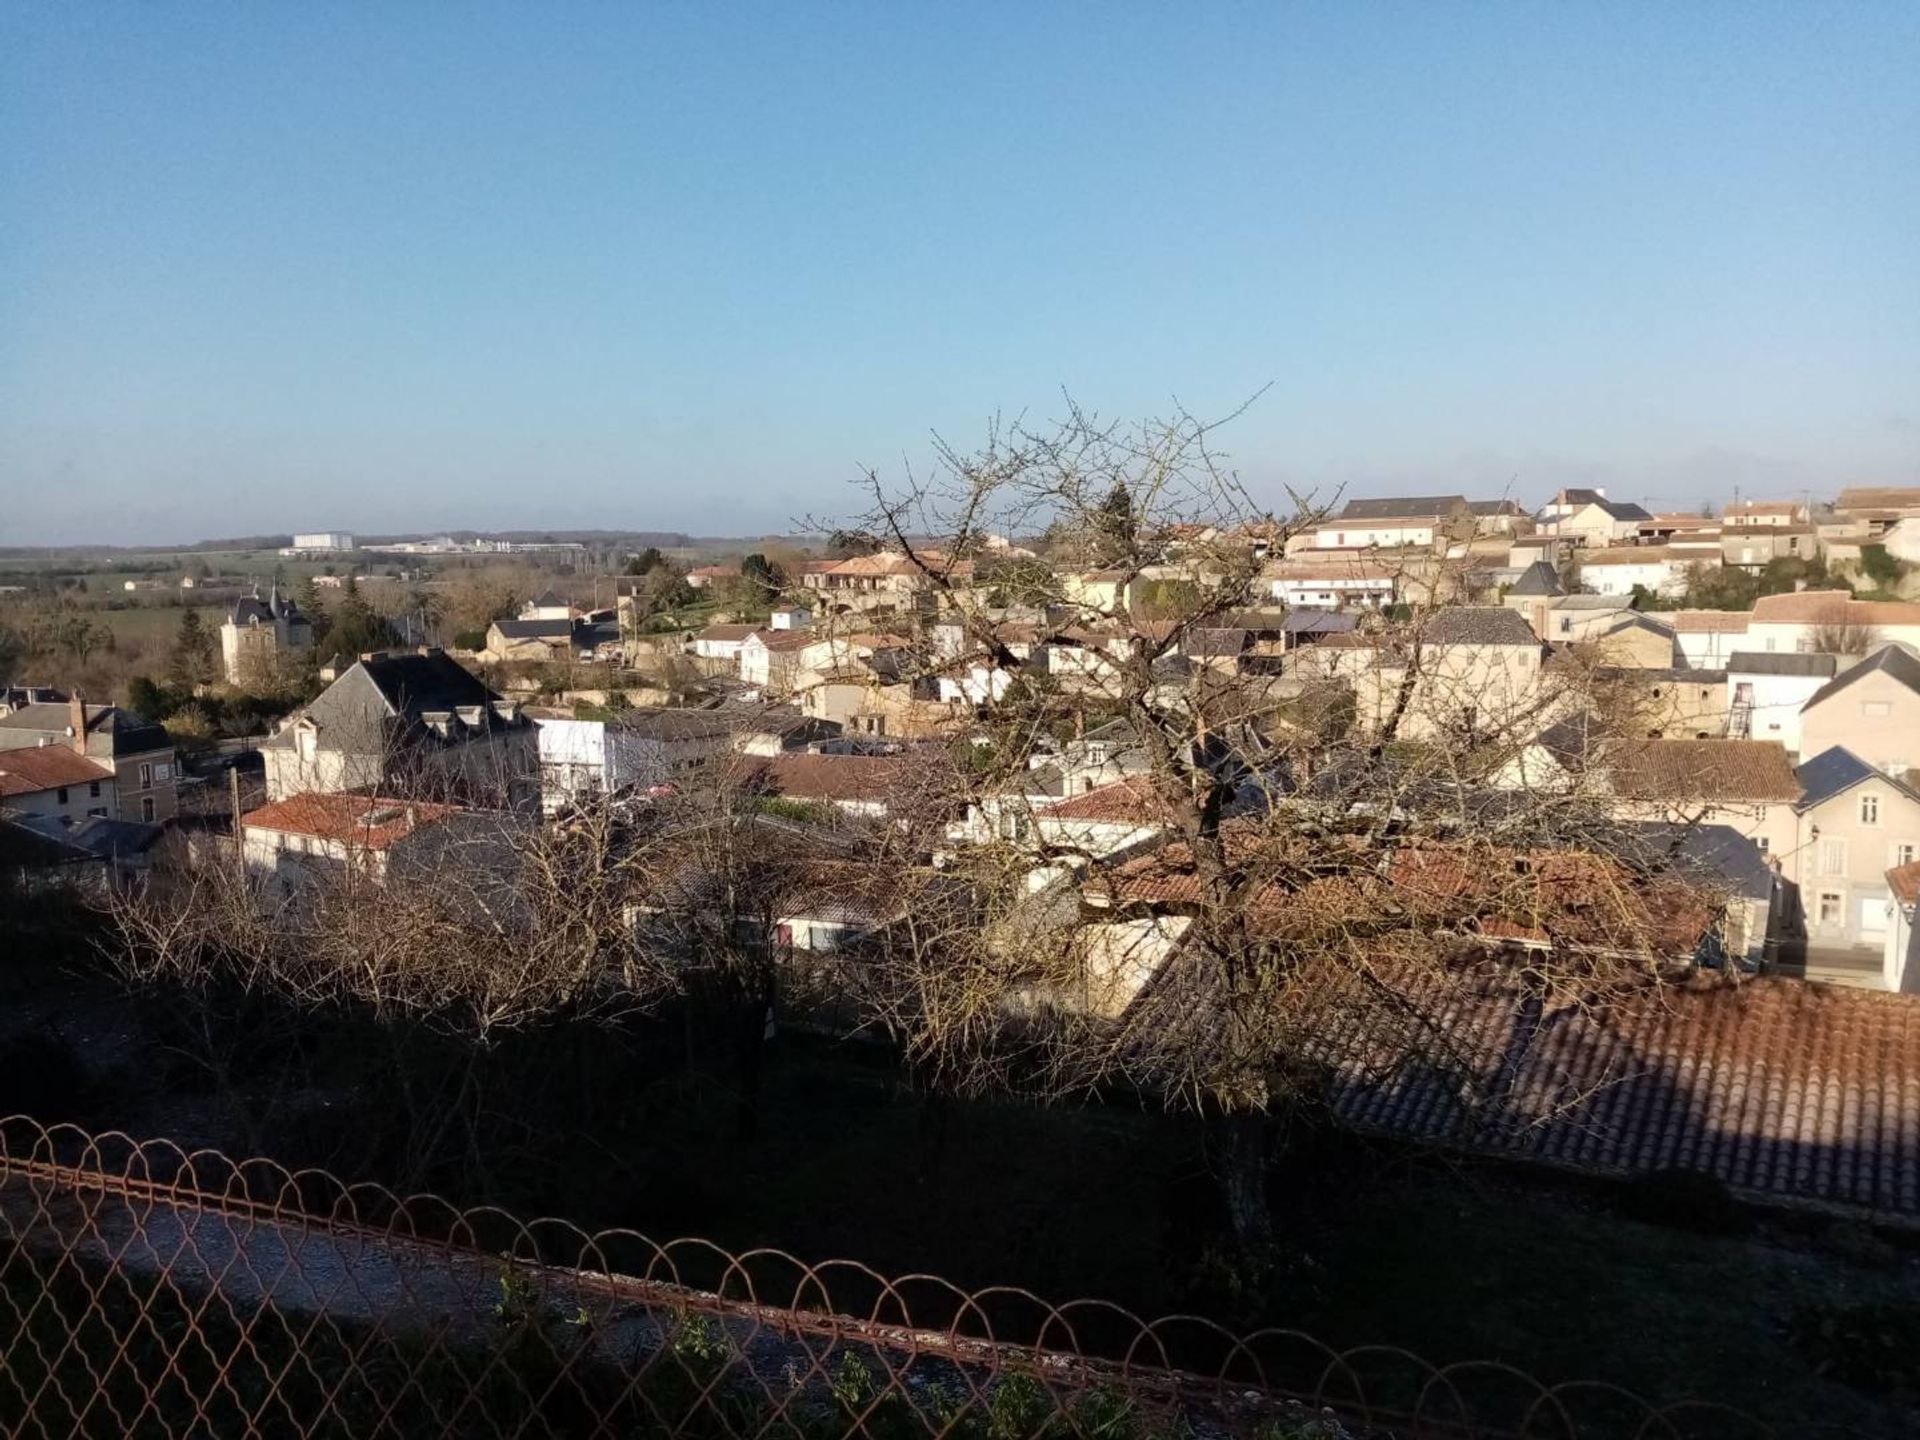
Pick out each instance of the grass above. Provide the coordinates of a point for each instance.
(154, 622)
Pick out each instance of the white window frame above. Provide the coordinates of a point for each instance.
(1839, 907)
(1833, 855)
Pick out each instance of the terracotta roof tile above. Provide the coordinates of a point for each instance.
(372, 822)
(1683, 770)
(1709, 622)
(1783, 1090)
(34, 768)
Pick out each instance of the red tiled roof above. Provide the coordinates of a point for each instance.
(1904, 881)
(726, 632)
(1832, 607)
(831, 777)
(1124, 802)
(372, 822)
(1783, 1090)
(34, 768)
(1709, 622)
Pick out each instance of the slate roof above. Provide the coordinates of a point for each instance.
(355, 713)
(1623, 510)
(1496, 507)
(1319, 622)
(1895, 661)
(550, 630)
(1404, 507)
(252, 610)
(88, 837)
(413, 683)
(131, 735)
(1768, 662)
(1837, 770)
(1478, 625)
(1539, 578)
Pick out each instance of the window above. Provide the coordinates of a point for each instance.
(1566, 624)
(1770, 642)
(146, 777)
(61, 795)
(1903, 853)
(1763, 843)
(1869, 809)
(1830, 908)
(1833, 856)
(98, 811)
(93, 789)
(146, 808)
(1876, 709)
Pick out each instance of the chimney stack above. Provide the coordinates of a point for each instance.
(77, 722)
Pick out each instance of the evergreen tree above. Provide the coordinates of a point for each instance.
(1114, 525)
(357, 627)
(763, 575)
(193, 657)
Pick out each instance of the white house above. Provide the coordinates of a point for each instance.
(1766, 692)
(1810, 619)
(1587, 517)
(55, 780)
(581, 759)
(1350, 583)
(1708, 639)
(1658, 569)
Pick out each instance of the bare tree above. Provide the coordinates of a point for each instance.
(1302, 883)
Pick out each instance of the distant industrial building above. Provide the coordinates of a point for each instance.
(320, 542)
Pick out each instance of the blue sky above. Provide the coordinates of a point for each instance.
(381, 267)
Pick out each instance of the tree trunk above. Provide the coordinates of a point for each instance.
(750, 1021)
(1242, 1159)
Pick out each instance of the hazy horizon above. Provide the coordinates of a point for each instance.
(688, 269)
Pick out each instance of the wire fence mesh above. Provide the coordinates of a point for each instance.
(150, 1289)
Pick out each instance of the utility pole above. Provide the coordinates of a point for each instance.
(239, 833)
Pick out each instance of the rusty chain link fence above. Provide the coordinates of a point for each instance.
(147, 1289)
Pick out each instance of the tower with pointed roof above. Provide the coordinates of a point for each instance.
(260, 637)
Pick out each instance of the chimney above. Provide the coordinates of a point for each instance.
(77, 722)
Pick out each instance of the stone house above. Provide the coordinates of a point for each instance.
(406, 719)
(1856, 824)
(1871, 709)
(259, 639)
(139, 752)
